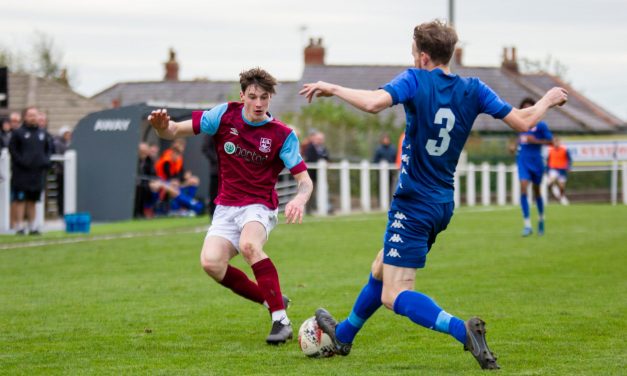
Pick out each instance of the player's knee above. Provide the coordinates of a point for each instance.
(214, 267)
(250, 251)
(377, 266)
(387, 298)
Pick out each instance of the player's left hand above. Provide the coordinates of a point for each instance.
(319, 89)
(294, 211)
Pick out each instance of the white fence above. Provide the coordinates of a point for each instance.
(506, 177)
(69, 193)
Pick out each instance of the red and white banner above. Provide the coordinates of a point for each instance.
(597, 151)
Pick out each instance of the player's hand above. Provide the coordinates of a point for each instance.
(159, 119)
(318, 89)
(294, 211)
(557, 96)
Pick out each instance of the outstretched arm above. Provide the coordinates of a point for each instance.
(295, 209)
(524, 119)
(372, 101)
(168, 129)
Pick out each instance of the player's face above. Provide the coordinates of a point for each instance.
(256, 103)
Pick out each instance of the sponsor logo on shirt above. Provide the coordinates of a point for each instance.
(229, 147)
(247, 155)
(234, 132)
(264, 145)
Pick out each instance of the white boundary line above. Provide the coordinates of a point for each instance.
(199, 229)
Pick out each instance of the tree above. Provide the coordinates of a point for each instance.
(549, 65)
(46, 59)
(349, 134)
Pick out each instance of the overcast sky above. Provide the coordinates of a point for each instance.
(105, 42)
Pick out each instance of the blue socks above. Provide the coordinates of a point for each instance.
(367, 303)
(540, 205)
(423, 311)
(524, 204)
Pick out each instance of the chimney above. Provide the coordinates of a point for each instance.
(457, 56)
(509, 60)
(314, 52)
(172, 68)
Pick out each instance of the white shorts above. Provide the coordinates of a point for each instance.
(559, 175)
(228, 221)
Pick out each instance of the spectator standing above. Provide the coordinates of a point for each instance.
(61, 144)
(30, 149)
(386, 152)
(315, 150)
(5, 133)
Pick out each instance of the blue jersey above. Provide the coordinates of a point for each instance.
(440, 110)
(533, 151)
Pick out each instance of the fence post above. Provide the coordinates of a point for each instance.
(364, 184)
(624, 185)
(384, 185)
(69, 182)
(345, 187)
(485, 184)
(470, 185)
(501, 186)
(456, 193)
(614, 181)
(5, 188)
(515, 185)
(322, 189)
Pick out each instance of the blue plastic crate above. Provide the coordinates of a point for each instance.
(77, 222)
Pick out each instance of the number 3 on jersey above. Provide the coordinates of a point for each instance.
(432, 145)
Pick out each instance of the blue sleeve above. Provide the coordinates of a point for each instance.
(403, 87)
(491, 104)
(545, 132)
(290, 152)
(210, 120)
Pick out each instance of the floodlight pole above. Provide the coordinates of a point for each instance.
(451, 13)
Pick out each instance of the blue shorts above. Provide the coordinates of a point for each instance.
(411, 231)
(530, 169)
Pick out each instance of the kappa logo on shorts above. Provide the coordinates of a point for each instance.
(405, 158)
(265, 144)
(393, 253)
(397, 224)
(396, 238)
(399, 215)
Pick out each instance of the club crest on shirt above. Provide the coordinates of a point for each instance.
(265, 144)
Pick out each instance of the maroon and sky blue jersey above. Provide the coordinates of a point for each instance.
(250, 155)
(440, 109)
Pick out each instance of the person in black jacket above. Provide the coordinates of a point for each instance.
(30, 151)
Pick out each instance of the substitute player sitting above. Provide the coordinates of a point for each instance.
(559, 163)
(440, 109)
(253, 148)
(531, 168)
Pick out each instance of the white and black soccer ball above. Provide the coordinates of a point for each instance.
(313, 341)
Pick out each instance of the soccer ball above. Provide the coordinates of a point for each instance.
(313, 341)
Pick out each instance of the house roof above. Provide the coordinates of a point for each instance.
(579, 115)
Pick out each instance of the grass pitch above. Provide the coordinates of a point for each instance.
(554, 305)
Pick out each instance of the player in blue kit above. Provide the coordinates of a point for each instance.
(441, 108)
(531, 168)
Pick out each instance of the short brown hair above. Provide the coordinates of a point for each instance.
(527, 101)
(437, 39)
(258, 77)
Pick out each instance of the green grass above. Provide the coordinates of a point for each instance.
(555, 305)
